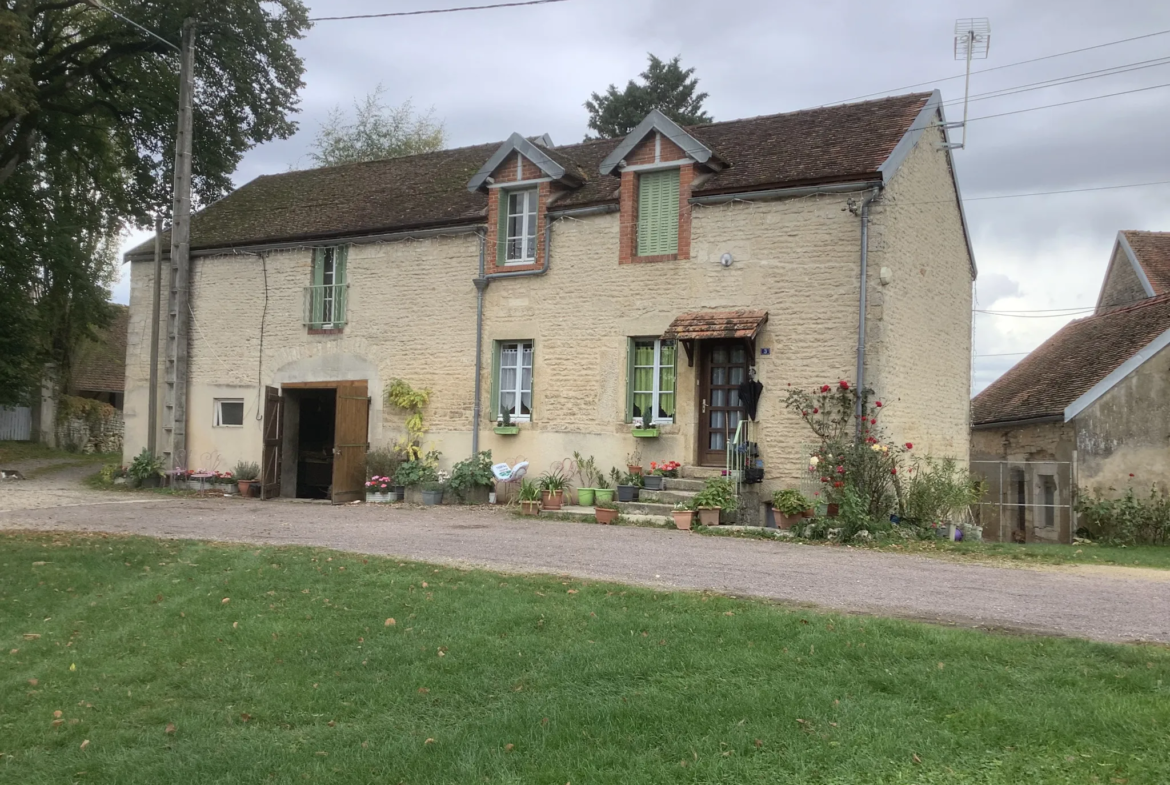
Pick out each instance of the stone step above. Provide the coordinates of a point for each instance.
(682, 484)
(645, 508)
(586, 514)
(701, 472)
(666, 497)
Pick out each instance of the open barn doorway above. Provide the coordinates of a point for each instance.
(325, 440)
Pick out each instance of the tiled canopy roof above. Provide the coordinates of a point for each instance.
(1152, 250)
(716, 324)
(811, 147)
(1069, 363)
(101, 365)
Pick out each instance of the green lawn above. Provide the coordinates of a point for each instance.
(278, 664)
(1155, 556)
(13, 452)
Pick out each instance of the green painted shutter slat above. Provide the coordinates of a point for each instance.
(658, 213)
(502, 232)
(670, 211)
(340, 290)
(629, 380)
(495, 402)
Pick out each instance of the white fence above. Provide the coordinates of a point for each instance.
(15, 423)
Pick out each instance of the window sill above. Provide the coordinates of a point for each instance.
(669, 257)
(326, 330)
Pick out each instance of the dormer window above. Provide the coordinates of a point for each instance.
(658, 212)
(520, 226)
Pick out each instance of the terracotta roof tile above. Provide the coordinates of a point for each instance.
(101, 365)
(716, 324)
(1069, 363)
(828, 144)
(1152, 250)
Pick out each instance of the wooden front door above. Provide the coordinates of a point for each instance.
(724, 367)
(350, 442)
(270, 464)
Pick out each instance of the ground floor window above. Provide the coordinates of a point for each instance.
(651, 379)
(514, 379)
(229, 412)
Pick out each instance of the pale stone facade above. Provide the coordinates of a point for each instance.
(412, 315)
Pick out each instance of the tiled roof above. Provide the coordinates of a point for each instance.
(1152, 250)
(814, 146)
(1069, 363)
(716, 324)
(101, 365)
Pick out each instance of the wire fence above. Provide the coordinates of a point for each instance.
(1026, 501)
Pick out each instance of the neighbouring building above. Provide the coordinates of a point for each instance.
(577, 287)
(1089, 408)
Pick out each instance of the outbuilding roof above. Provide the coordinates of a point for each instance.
(833, 144)
(1071, 363)
(1152, 251)
(101, 364)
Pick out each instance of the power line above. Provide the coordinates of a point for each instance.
(1001, 67)
(1069, 103)
(1063, 80)
(98, 4)
(1037, 316)
(435, 11)
(1066, 191)
(1004, 354)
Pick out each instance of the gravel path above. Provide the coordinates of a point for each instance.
(1062, 603)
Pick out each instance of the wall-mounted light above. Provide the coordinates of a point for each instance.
(726, 260)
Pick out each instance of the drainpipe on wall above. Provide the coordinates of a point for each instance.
(481, 285)
(862, 300)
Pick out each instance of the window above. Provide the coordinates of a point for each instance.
(326, 299)
(514, 379)
(520, 227)
(651, 379)
(1048, 484)
(658, 213)
(229, 412)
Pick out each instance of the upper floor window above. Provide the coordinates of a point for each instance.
(658, 213)
(520, 226)
(651, 379)
(326, 298)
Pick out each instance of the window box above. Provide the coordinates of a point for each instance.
(507, 430)
(645, 433)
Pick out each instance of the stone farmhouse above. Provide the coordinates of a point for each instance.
(1089, 408)
(579, 288)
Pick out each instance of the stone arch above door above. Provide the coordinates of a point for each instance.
(337, 367)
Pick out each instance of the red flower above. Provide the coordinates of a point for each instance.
(840, 470)
(824, 479)
(825, 388)
(1131, 475)
(844, 384)
(653, 465)
(873, 422)
(816, 411)
(838, 485)
(893, 471)
(804, 414)
(909, 446)
(878, 404)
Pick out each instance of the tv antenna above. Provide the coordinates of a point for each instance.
(972, 42)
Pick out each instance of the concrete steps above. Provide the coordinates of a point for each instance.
(682, 484)
(701, 472)
(586, 514)
(666, 497)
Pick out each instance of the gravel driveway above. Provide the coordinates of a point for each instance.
(1055, 602)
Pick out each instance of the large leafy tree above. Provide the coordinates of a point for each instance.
(665, 86)
(88, 106)
(377, 131)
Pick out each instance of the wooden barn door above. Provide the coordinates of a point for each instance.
(350, 442)
(270, 465)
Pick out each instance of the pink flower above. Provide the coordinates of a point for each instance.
(840, 470)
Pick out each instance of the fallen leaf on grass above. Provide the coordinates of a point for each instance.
(759, 743)
(73, 667)
(429, 741)
(729, 613)
(170, 727)
(39, 563)
(390, 622)
(30, 636)
(33, 682)
(572, 591)
(941, 666)
(916, 758)
(14, 651)
(235, 625)
(225, 600)
(423, 691)
(58, 723)
(57, 714)
(509, 747)
(247, 717)
(85, 744)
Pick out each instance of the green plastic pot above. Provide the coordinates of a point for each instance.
(585, 497)
(603, 494)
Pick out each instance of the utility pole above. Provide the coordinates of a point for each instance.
(178, 302)
(152, 415)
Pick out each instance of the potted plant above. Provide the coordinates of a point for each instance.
(529, 498)
(432, 493)
(683, 516)
(552, 489)
(413, 473)
(602, 493)
(605, 512)
(247, 474)
(588, 474)
(379, 490)
(472, 480)
(628, 486)
(792, 506)
(645, 429)
(634, 463)
(504, 426)
(145, 470)
(716, 496)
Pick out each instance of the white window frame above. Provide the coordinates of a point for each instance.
(530, 207)
(519, 389)
(218, 422)
(657, 391)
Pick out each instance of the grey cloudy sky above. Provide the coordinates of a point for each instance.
(488, 73)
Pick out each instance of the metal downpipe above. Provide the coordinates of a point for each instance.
(862, 305)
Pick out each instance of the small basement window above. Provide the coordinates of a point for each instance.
(229, 412)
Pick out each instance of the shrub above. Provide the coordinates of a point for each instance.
(383, 461)
(418, 471)
(1128, 520)
(716, 493)
(529, 492)
(936, 492)
(246, 470)
(475, 472)
(145, 466)
(790, 502)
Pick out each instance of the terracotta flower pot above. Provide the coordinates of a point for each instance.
(530, 507)
(683, 519)
(632, 469)
(789, 521)
(552, 500)
(808, 514)
(832, 510)
(604, 515)
(245, 487)
(709, 516)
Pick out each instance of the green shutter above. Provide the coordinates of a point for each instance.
(340, 290)
(495, 401)
(629, 380)
(502, 232)
(316, 301)
(658, 213)
(532, 385)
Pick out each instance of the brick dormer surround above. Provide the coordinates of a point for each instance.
(491, 263)
(655, 149)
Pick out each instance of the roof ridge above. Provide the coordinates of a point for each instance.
(809, 110)
(372, 161)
